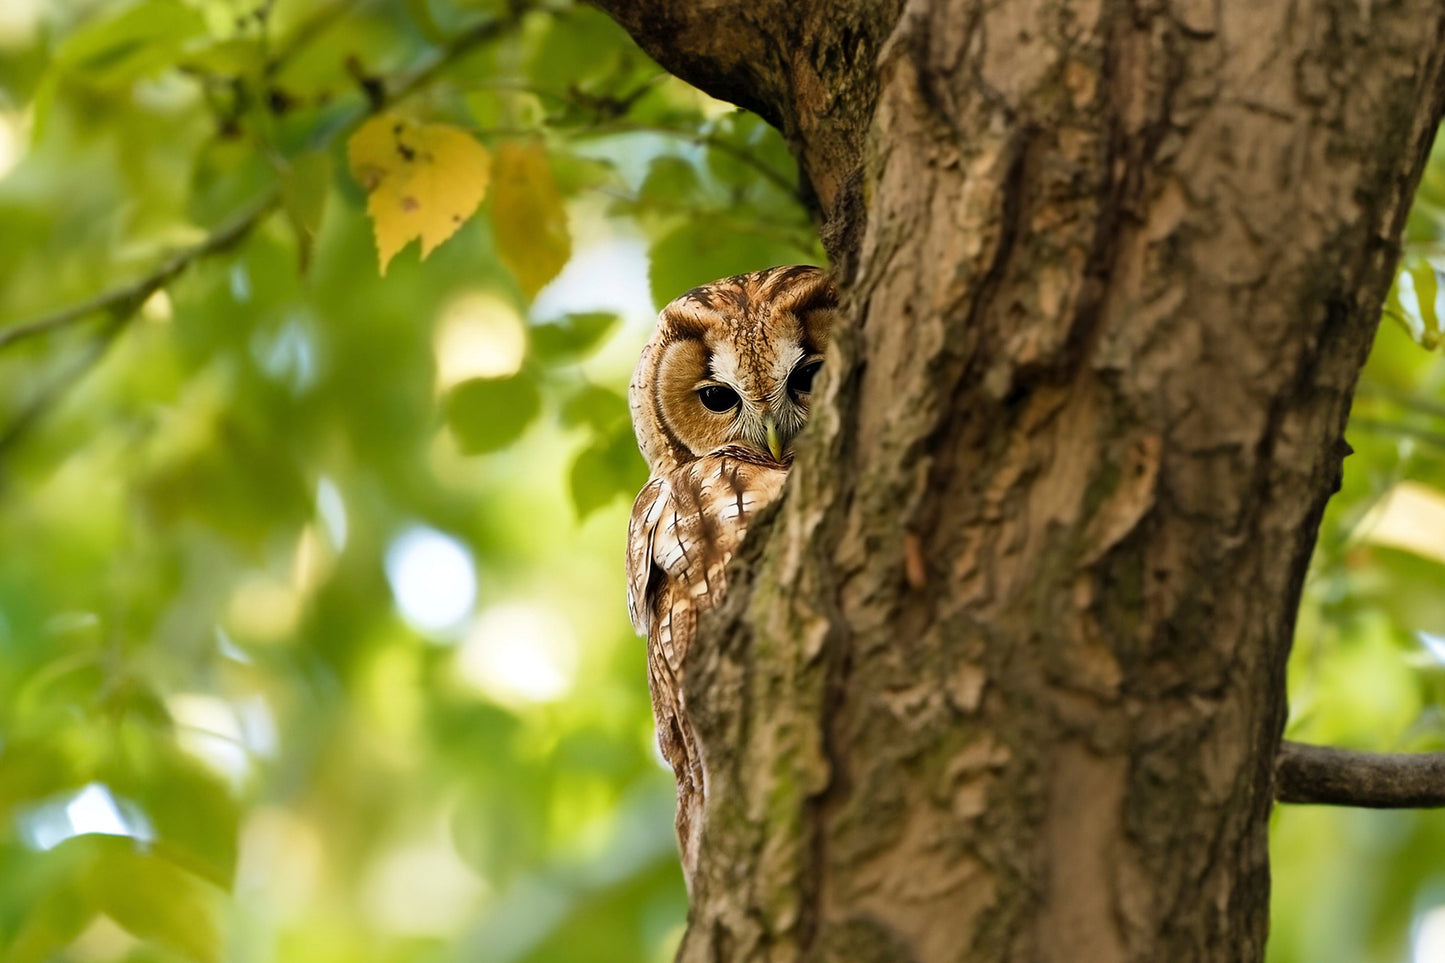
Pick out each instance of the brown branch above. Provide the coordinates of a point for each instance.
(726, 49)
(1326, 776)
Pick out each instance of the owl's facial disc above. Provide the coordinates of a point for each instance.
(754, 403)
(733, 363)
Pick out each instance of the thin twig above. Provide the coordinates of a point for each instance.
(310, 29)
(711, 141)
(33, 411)
(1405, 399)
(1326, 776)
(130, 296)
(1399, 430)
(465, 43)
(121, 303)
(119, 306)
(612, 127)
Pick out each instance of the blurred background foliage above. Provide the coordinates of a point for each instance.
(312, 636)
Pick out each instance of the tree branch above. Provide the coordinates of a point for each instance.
(727, 49)
(127, 298)
(711, 141)
(135, 292)
(120, 304)
(1323, 775)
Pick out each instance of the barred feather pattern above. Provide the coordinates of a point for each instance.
(720, 392)
(685, 526)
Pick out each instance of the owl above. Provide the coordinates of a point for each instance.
(719, 394)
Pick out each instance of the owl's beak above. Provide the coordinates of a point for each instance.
(775, 442)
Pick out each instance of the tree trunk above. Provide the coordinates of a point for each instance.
(1004, 680)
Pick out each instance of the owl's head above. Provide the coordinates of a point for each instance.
(732, 363)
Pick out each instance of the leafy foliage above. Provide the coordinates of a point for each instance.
(312, 642)
(304, 653)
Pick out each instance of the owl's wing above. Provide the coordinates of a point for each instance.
(641, 530)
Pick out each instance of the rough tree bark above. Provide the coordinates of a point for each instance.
(1005, 678)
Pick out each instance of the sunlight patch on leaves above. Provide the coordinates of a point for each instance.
(1414, 300)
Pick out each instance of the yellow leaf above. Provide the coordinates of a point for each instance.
(527, 213)
(423, 181)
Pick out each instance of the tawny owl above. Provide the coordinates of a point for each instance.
(719, 393)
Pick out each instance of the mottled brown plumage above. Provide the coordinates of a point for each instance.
(720, 391)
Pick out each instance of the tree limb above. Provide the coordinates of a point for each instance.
(1323, 775)
(120, 304)
(128, 297)
(726, 48)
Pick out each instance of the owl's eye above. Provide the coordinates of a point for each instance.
(718, 398)
(800, 382)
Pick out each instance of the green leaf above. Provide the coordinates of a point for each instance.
(486, 414)
(515, 109)
(576, 173)
(1410, 589)
(304, 188)
(749, 136)
(606, 469)
(31, 769)
(421, 14)
(528, 215)
(156, 900)
(572, 337)
(599, 408)
(232, 57)
(583, 47)
(141, 40)
(196, 819)
(669, 179)
(57, 909)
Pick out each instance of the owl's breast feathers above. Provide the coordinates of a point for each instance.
(685, 526)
